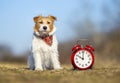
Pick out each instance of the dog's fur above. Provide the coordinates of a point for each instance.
(44, 56)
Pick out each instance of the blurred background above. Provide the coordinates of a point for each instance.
(98, 20)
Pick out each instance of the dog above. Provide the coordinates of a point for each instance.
(44, 45)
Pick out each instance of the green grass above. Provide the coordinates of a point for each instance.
(18, 73)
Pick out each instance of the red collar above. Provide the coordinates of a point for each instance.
(48, 40)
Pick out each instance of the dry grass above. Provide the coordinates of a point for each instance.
(18, 73)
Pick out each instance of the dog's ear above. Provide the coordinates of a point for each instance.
(36, 18)
(52, 17)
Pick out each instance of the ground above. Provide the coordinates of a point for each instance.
(19, 73)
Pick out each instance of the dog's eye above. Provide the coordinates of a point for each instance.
(41, 22)
(48, 22)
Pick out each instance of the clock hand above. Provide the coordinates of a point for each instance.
(79, 57)
(83, 55)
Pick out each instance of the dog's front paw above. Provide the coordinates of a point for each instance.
(39, 69)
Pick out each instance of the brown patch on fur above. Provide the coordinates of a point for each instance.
(44, 20)
(36, 18)
(52, 17)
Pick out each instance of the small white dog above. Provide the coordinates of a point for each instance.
(44, 45)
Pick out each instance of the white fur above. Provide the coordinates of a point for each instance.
(44, 56)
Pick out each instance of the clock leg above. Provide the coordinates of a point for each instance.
(74, 68)
(91, 67)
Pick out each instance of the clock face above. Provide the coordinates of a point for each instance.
(83, 59)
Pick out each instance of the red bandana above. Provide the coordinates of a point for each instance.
(48, 40)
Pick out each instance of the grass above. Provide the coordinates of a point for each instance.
(18, 73)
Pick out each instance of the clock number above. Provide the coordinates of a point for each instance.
(89, 58)
(82, 65)
(76, 61)
(82, 51)
(86, 64)
(88, 55)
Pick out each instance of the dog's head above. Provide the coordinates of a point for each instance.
(44, 25)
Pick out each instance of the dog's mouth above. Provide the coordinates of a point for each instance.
(44, 31)
(43, 34)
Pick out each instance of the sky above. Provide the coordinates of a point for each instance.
(16, 18)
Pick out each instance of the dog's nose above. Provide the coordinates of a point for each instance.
(44, 27)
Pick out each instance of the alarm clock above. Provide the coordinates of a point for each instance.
(82, 56)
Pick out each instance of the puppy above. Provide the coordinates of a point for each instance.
(44, 45)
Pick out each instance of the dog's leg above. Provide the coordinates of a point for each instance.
(38, 62)
(31, 62)
(55, 61)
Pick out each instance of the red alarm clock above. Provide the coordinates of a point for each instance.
(82, 55)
